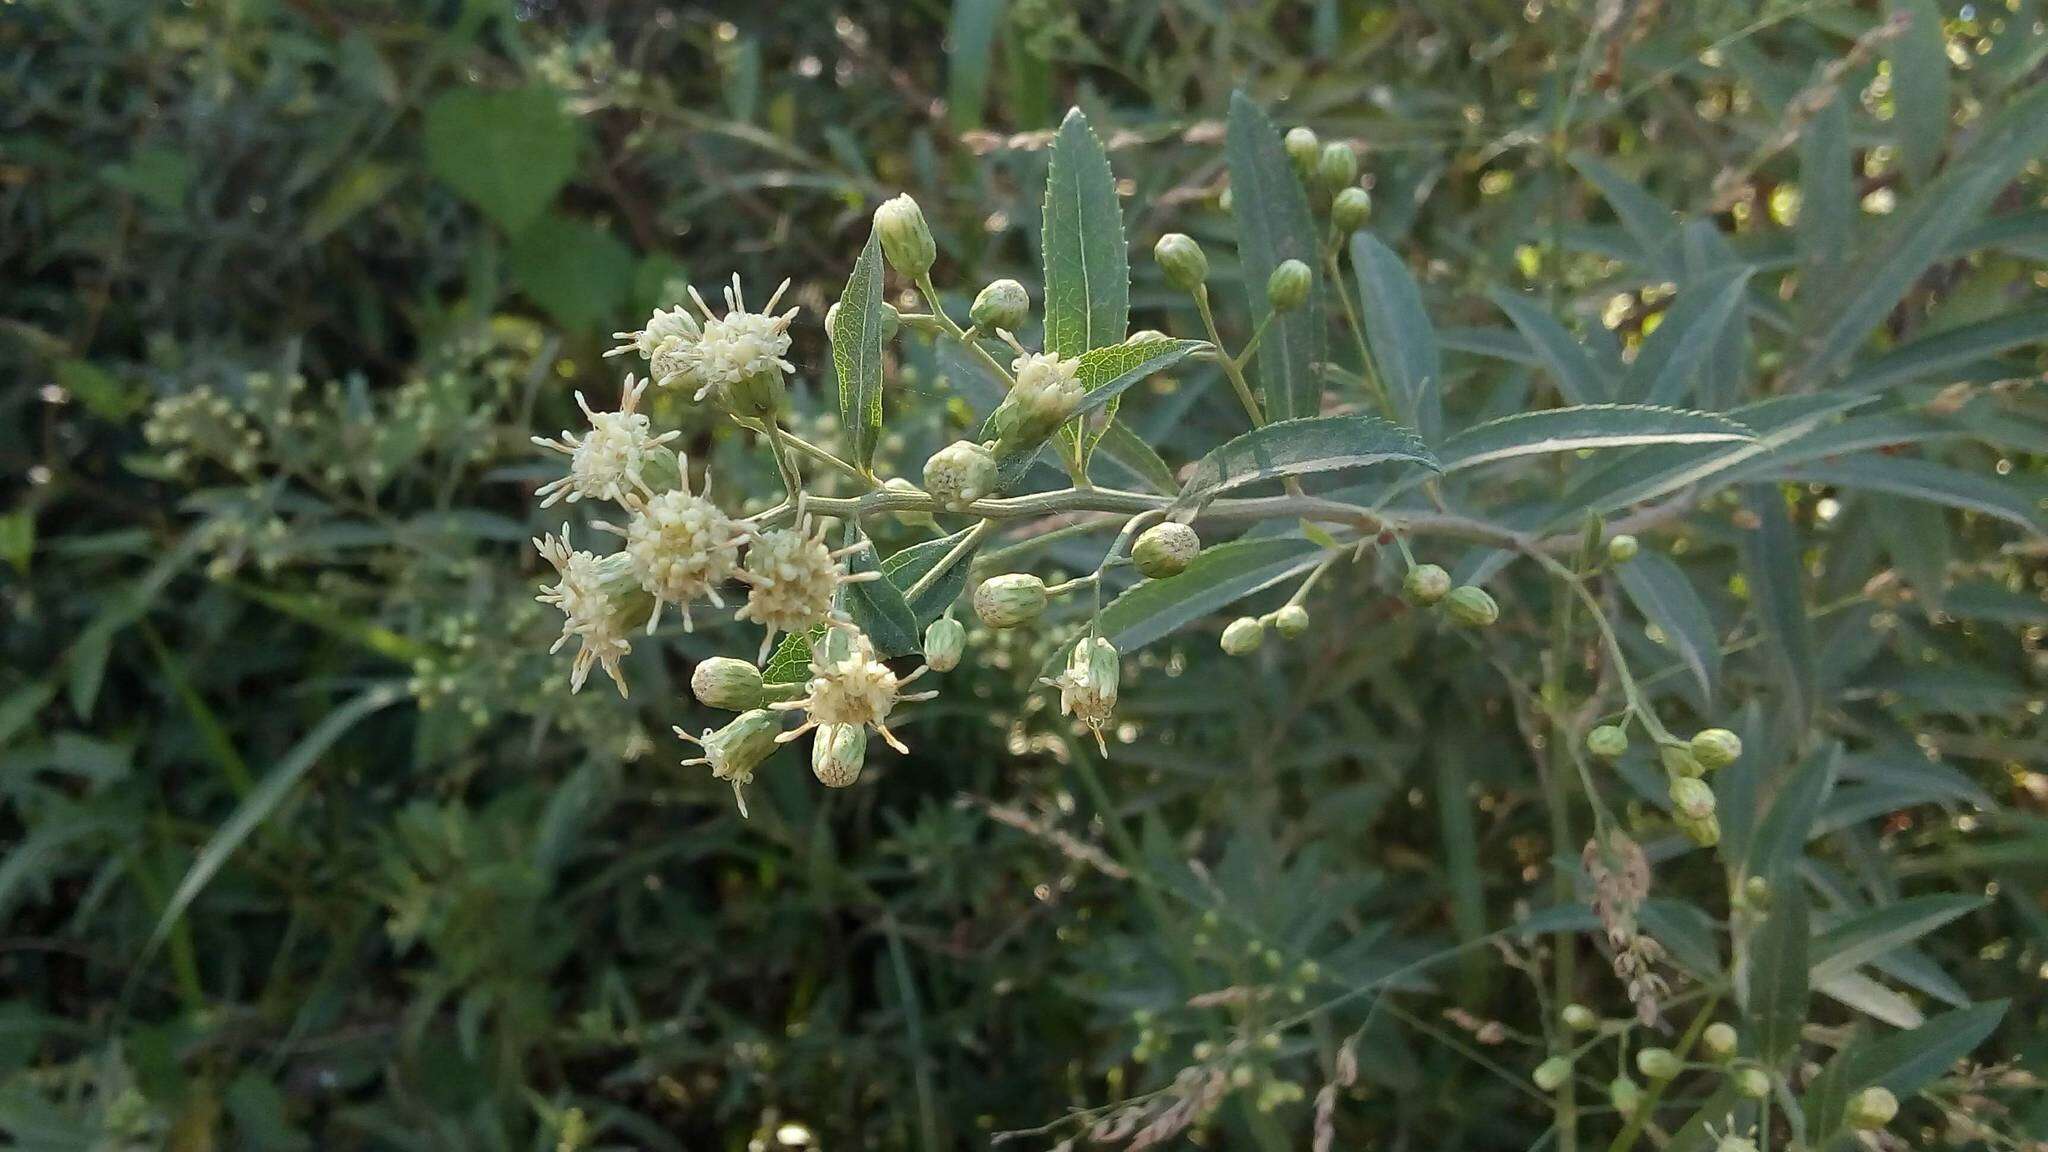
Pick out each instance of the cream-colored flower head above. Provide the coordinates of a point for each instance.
(1088, 687)
(1042, 374)
(600, 601)
(665, 325)
(682, 547)
(791, 576)
(850, 685)
(739, 346)
(605, 462)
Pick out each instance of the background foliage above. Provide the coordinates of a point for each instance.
(305, 847)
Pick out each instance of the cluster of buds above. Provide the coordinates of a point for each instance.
(1685, 764)
(1466, 605)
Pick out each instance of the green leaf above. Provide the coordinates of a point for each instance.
(1274, 225)
(1137, 457)
(791, 662)
(1296, 447)
(1647, 220)
(104, 394)
(160, 176)
(1776, 580)
(1585, 426)
(1827, 193)
(1865, 937)
(1678, 351)
(970, 44)
(909, 565)
(1106, 373)
(1920, 83)
(1777, 974)
(255, 808)
(857, 352)
(1578, 378)
(1931, 357)
(359, 187)
(18, 538)
(878, 607)
(507, 151)
(1916, 536)
(1219, 576)
(1087, 262)
(1925, 480)
(1903, 1062)
(1781, 839)
(1662, 593)
(576, 270)
(1404, 346)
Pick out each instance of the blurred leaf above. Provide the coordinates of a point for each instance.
(507, 151)
(1776, 579)
(1298, 447)
(1661, 592)
(160, 176)
(1781, 838)
(1904, 1063)
(18, 538)
(359, 187)
(1651, 224)
(1925, 480)
(1582, 427)
(970, 44)
(1827, 193)
(1273, 226)
(1674, 355)
(576, 270)
(1865, 937)
(1403, 340)
(1578, 378)
(909, 565)
(1129, 449)
(857, 352)
(1917, 537)
(1777, 977)
(1928, 357)
(1220, 576)
(104, 394)
(1087, 262)
(1920, 83)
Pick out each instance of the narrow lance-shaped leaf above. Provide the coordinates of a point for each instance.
(877, 606)
(1578, 377)
(1087, 263)
(1662, 593)
(1647, 220)
(1903, 1062)
(1677, 353)
(1585, 426)
(857, 352)
(1296, 447)
(1219, 577)
(1920, 84)
(905, 568)
(1926, 480)
(1777, 589)
(1778, 986)
(1274, 225)
(1403, 341)
(1827, 193)
(1869, 935)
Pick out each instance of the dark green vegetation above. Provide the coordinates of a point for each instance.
(306, 847)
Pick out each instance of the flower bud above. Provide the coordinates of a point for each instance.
(1351, 209)
(959, 474)
(734, 751)
(1579, 1018)
(1472, 607)
(1756, 893)
(1622, 549)
(726, 682)
(1088, 686)
(943, 643)
(1047, 391)
(906, 238)
(1242, 636)
(1291, 621)
(1679, 761)
(1720, 1041)
(1716, 748)
(1426, 584)
(1658, 1063)
(1185, 264)
(837, 752)
(1287, 288)
(1146, 336)
(1337, 167)
(1552, 1073)
(1872, 1108)
(1608, 742)
(1692, 798)
(1003, 304)
(1704, 831)
(1010, 599)
(1624, 1095)
(1752, 1083)
(1304, 149)
(1165, 550)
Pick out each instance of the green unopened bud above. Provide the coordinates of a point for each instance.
(1047, 391)
(1182, 260)
(1720, 1041)
(1552, 1073)
(1752, 1083)
(1692, 798)
(1756, 894)
(906, 238)
(1716, 748)
(1623, 549)
(1291, 621)
(734, 751)
(1426, 584)
(1580, 1018)
(726, 682)
(1287, 288)
(1002, 305)
(1304, 148)
(837, 753)
(1679, 761)
(1872, 1108)
(1146, 336)
(1624, 1095)
(1658, 1063)
(959, 474)
(1704, 831)
(943, 643)
(1472, 607)
(1010, 599)
(1337, 167)
(1165, 550)
(1608, 742)
(1351, 209)
(1242, 636)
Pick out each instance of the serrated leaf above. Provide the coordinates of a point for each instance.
(1577, 375)
(1661, 591)
(1220, 576)
(1920, 84)
(1777, 974)
(1104, 374)
(1777, 591)
(1087, 263)
(1925, 480)
(909, 565)
(1403, 341)
(507, 151)
(791, 662)
(1903, 1062)
(1868, 935)
(1297, 447)
(1585, 426)
(857, 352)
(1274, 225)
(1679, 350)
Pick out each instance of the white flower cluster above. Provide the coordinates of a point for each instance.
(738, 359)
